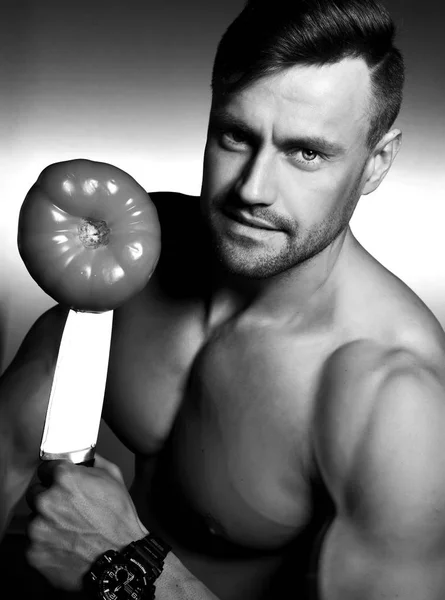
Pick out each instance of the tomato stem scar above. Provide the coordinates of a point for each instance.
(93, 233)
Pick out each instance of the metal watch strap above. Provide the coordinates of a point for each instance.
(150, 550)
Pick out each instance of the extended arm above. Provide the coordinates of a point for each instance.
(388, 540)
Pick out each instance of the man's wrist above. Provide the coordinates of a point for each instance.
(131, 571)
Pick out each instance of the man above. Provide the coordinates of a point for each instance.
(282, 392)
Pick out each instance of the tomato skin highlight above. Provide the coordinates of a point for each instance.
(89, 235)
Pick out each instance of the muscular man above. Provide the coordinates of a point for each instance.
(283, 392)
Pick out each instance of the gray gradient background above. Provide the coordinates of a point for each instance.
(128, 83)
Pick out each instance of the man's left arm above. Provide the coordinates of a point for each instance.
(388, 539)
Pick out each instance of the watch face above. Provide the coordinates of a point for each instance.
(121, 581)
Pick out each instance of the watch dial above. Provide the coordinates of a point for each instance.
(120, 582)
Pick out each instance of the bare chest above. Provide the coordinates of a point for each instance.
(233, 423)
(241, 444)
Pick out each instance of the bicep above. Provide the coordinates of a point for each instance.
(388, 539)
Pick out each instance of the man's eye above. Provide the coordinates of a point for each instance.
(305, 157)
(309, 155)
(234, 137)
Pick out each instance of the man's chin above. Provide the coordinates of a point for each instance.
(248, 257)
(243, 265)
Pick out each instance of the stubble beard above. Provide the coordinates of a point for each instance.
(253, 260)
(260, 261)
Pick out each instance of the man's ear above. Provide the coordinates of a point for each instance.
(381, 160)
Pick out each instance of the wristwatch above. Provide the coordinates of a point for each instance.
(129, 574)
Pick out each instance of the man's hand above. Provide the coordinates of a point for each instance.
(80, 513)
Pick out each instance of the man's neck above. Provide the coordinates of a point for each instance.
(290, 296)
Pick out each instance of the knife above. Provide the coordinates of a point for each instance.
(77, 392)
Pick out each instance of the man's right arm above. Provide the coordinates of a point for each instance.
(24, 394)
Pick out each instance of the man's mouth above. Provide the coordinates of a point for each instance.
(249, 221)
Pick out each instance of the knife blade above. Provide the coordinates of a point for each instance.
(77, 392)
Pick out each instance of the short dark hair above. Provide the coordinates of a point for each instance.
(270, 36)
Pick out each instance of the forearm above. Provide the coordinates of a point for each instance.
(13, 485)
(177, 583)
(5, 515)
(24, 392)
(15, 475)
(17, 467)
(7, 505)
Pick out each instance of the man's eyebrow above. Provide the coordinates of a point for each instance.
(312, 142)
(225, 119)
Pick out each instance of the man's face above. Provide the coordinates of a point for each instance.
(284, 165)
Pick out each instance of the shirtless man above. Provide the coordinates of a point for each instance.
(283, 393)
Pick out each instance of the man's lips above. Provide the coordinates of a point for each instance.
(246, 219)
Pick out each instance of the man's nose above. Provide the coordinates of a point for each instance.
(257, 182)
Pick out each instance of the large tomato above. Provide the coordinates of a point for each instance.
(88, 234)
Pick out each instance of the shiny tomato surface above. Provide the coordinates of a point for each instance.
(88, 234)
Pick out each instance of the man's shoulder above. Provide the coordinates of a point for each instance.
(167, 198)
(183, 258)
(357, 375)
(384, 330)
(177, 212)
(375, 304)
(377, 406)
